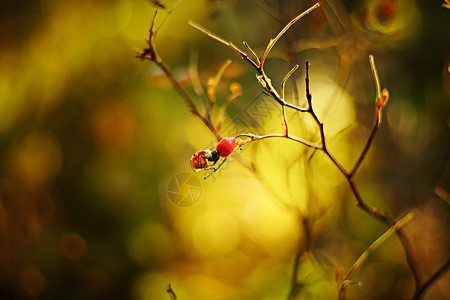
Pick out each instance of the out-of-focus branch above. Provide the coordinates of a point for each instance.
(346, 280)
(381, 100)
(150, 53)
(171, 292)
(439, 272)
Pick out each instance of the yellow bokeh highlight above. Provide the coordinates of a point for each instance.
(275, 229)
(215, 233)
(75, 36)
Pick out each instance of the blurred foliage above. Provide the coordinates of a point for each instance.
(92, 139)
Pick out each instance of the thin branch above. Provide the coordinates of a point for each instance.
(371, 248)
(194, 77)
(252, 52)
(254, 138)
(385, 218)
(377, 119)
(273, 41)
(182, 92)
(168, 13)
(267, 8)
(235, 93)
(171, 292)
(364, 152)
(373, 67)
(439, 272)
(286, 78)
(375, 213)
(212, 85)
(150, 53)
(223, 41)
(312, 112)
(263, 79)
(210, 34)
(283, 108)
(298, 254)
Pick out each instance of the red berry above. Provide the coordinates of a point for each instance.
(226, 146)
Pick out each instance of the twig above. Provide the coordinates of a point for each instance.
(373, 67)
(167, 15)
(194, 77)
(171, 292)
(298, 254)
(212, 85)
(274, 40)
(372, 247)
(439, 272)
(312, 112)
(254, 138)
(263, 79)
(283, 108)
(364, 152)
(150, 53)
(376, 123)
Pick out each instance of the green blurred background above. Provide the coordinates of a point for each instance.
(97, 198)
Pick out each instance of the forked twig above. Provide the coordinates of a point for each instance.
(273, 41)
(171, 292)
(150, 53)
(258, 64)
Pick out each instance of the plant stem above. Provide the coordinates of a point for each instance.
(372, 247)
(439, 272)
(364, 152)
(171, 292)
(192, 108)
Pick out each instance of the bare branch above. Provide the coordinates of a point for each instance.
(283, 108)
(373, 67)
(371, 248)
(252, 52)
(273, 41)
(171, 292)
(381, 99)
(286, 78)
(254, 138)
(439, 272)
